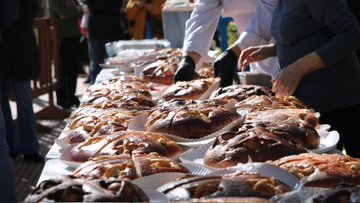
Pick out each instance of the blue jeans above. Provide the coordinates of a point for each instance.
(97, 55)
(25, 141)
(7, 180)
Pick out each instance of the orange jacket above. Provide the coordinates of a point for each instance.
(137, 16)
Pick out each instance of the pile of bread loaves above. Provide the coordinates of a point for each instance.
(274, 130)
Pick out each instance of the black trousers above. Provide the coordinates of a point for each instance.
(70, 62)
(345, 122)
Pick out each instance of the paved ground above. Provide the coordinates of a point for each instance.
(27, 174)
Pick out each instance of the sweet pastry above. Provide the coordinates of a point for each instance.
(91, 125)
(147, 164)
(208, 187)
(259, 142)
(190, 119)
(322, 170)
(161, 72)
(126, 167)
(264, 102)
(68, 189)
(204, 73)
(240, 92)
(284, 115)
(124, 142)
(105, 167)
(188, 89)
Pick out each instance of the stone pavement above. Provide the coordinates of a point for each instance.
(26, 173)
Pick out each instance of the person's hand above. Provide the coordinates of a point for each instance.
(224, 67)
(255, 53)
(288, 80)
(186, 70)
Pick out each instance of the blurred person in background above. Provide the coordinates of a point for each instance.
(9, 10)
(145, 19)
(253, 20)
(104, 25)
(22, 65)
(67, 14)
(315, 44)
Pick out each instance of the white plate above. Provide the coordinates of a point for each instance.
(328, 141)
(152, 182)
(156, 196)
(65, 158)
(124, 69)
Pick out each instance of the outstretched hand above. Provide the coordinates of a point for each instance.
(255, 53)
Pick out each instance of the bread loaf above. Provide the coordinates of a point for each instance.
(259, 142)
(240, 92)
(124, 142)
(68, 189)
(188, 89)
(189, 119)
(322, 170)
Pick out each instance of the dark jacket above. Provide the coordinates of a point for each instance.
(104, 19)
(8, 13)
(328, 28)
(19, 42)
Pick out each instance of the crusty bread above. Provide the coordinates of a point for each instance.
(240, 92)
(68, 189)
(264, 102)
(125, 166)
(188, 89)
(322, 170)
(259, 142)
(125, 142)
(208, 187)
(189, 119)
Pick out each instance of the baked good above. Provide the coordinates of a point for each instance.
(240, 92)
(105, 167)
(284, 115)
(189, 119)
(161, 72)
(147, 164)
(264, 102)
(68, 189)
(126, 167)
(124, 142)
(91, 125)
(208, 187)
(259, 142)
(204, 73)
(322, 170)
(188, 89)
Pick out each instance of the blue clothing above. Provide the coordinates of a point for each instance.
(25, 141)
(8, 13)
(7, 183)
(328, 28)
(97, 53)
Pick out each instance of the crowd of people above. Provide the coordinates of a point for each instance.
(308, 47)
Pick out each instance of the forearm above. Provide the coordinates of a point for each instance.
(195, 56)
(309, 63)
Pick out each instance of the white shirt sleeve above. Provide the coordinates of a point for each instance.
(201, 26)
(258, 32)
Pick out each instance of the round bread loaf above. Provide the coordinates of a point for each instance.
(188, 89)
(259, 142)
(124, 142)
(322, 170)
(206, 188)
(264, 102)
(68, 189)
(240, 92)
(190, 119)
